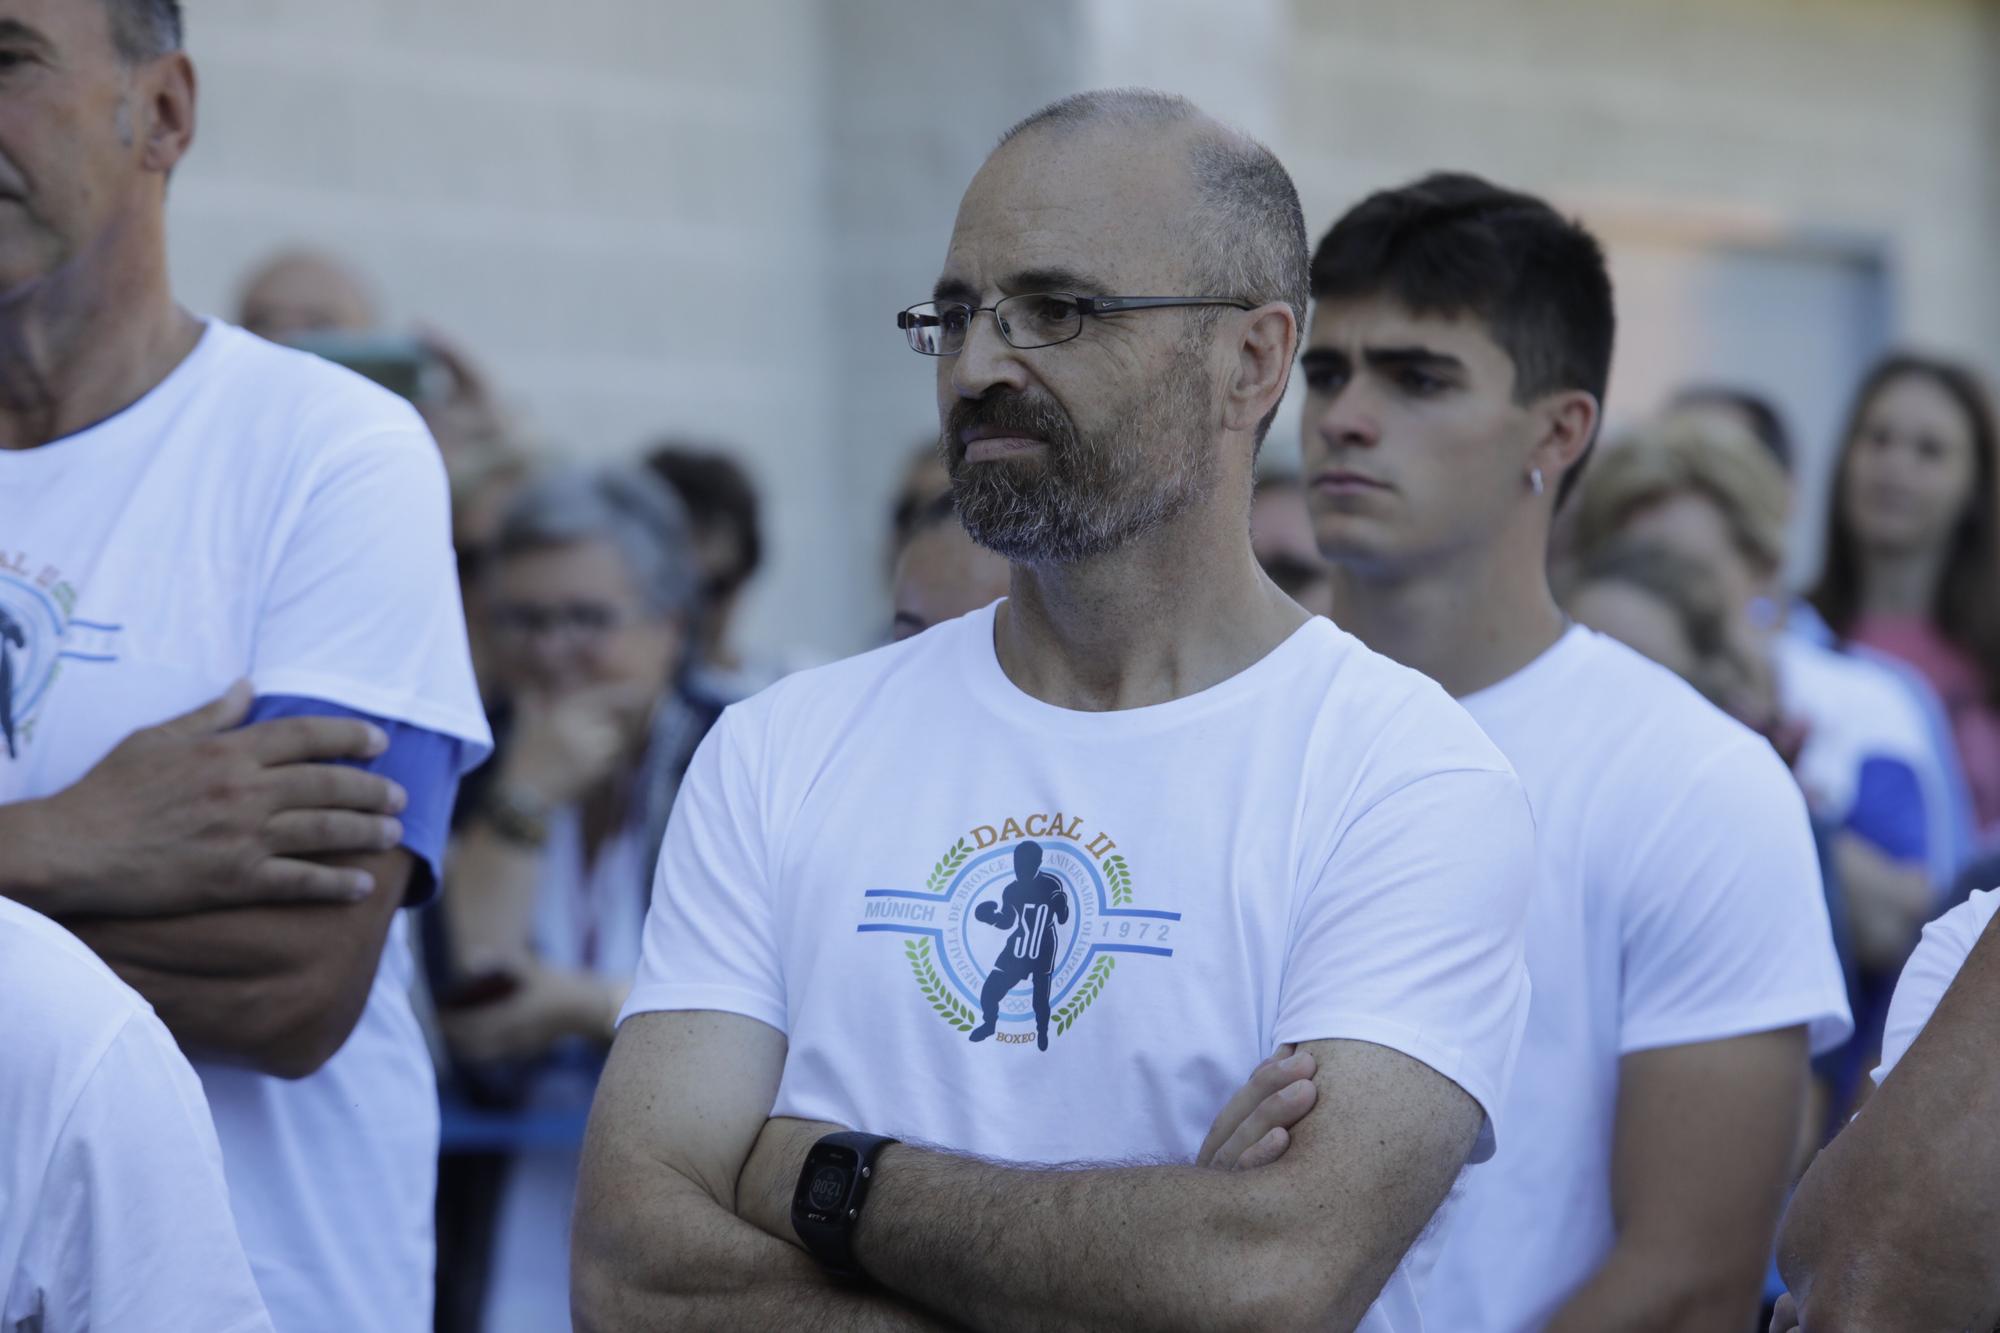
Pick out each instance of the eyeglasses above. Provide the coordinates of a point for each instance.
(1030, 320)
(571, 622)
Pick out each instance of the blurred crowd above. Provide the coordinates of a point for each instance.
(602, 602)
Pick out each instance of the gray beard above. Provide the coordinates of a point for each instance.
(1088, 497)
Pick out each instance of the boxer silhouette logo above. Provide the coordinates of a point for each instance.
(1034, 907)
(1019, 927)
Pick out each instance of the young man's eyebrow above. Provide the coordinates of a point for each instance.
(1415, 356)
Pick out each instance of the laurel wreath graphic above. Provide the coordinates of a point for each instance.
(1085, 993)
(943, 999)
(1118, 875)
(948, 865)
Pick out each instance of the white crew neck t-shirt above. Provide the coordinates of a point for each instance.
(1946, 943)
(1678, 900)
(114, 1215)
(1322, 846)
(260, 513)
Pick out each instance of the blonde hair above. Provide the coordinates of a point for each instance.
(1679, 456)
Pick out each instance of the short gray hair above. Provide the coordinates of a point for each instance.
(625, 506)
(142, 30)
(1247, 232)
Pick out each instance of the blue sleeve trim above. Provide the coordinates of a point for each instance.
(1888, 809)
(426, 763)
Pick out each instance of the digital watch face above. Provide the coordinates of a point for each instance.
(826, 1184)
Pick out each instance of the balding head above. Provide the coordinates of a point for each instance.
(1245, 234)
(1076, 422)
(303, 291)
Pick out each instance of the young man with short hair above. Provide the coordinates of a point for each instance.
(1677, 937)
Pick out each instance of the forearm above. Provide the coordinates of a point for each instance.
(1002, 1247)
(1899, 1217)
(31, 871)
(489, 899)
(667, 1255)
(1632, 1292)
(276, 988)
(233, 985)
(1887, 900)
(1888, 1230)
(1005, 1248)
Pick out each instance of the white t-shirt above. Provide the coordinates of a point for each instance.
(260, 513)
(1678, 900)
(114, 1216)
(1947, 942)
(1322, 846)
(1856, 711)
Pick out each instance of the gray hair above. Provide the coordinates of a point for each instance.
(629, 508)
(144, 29)
(1247, 233)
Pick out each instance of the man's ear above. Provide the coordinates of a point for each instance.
(1565, 424)
(1263, 365)
(165, 110)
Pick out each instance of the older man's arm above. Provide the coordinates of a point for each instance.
(1306, 1242)
(277, 989)
(1897, 1222)
(657, 1241)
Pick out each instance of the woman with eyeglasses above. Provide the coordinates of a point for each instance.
(591, 602)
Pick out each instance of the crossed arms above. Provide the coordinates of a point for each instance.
(683, 1207)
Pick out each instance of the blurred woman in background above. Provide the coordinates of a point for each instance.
(1913, 548)
(592, 597)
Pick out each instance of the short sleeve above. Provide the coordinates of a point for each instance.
(426, 764)
(1412, 935)
(361, 602)
(1947, 942)
(1888, 809)
(133, 1227)
(710, 937)
(1724, 929)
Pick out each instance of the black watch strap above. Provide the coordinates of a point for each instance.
(826, 1204)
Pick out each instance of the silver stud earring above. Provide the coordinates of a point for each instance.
(1535, 480)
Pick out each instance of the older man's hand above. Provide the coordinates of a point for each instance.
(200, 812)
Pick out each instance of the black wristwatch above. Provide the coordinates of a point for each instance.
(833, 1184)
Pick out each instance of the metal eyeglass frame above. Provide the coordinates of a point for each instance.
(907, 318)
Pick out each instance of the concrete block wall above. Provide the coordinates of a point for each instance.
(668, 215)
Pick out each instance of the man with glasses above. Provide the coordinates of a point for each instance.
(1262, 834)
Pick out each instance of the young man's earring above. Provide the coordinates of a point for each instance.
(1535, 480)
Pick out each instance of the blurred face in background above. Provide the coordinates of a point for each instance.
(305, 293)
(1281, 537)
(1639, 620)
(1910, 468)
(1718, 664)
(943, 574)
(570, 618)
(1065, 452)
(1414, 449)
(77, 152)
(1695, 528)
